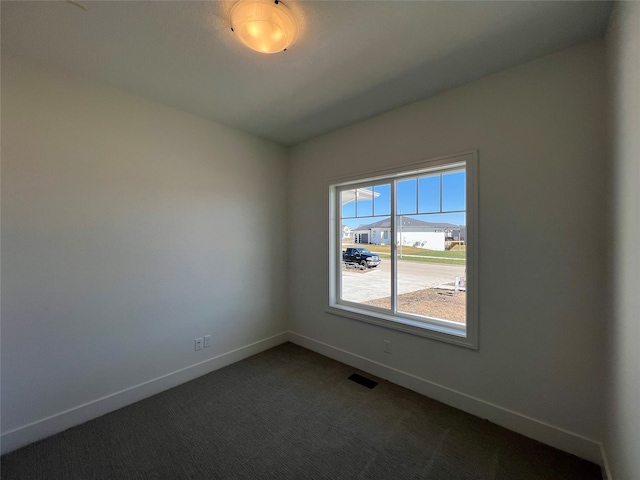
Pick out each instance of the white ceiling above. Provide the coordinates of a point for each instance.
(353, 60)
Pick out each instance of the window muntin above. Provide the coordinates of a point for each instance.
(425, 280)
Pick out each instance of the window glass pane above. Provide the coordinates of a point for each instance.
(429, 194)
(364, 202)
(432, 266)
(347, 201)
(382, 199)
(407, 196)
(365, 264)
(453, 191)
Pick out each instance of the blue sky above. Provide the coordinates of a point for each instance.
(418, 197)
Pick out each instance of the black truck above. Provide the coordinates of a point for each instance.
(360, 256)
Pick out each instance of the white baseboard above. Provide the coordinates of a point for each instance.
(606, 471)
(45, 427)
(552, 435)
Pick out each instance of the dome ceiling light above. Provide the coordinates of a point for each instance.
(266, 26)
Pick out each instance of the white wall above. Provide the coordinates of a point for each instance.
(128, 230)
(622, 440)
(542, 198)
(431, 240)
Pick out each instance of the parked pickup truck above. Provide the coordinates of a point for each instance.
(360, 256)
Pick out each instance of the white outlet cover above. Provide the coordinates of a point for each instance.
(207, 341)
(199, 343)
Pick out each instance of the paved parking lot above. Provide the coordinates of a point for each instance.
(365, 285)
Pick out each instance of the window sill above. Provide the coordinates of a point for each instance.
(443, 333)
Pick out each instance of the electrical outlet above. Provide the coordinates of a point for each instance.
(207, 341)
(387, 346)
(199, 343)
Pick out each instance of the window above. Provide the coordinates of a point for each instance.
(420, 274)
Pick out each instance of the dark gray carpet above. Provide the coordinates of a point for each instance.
(289, 413)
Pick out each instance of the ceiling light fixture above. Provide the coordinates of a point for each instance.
(266, 26)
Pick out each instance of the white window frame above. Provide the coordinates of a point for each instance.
(446, 331)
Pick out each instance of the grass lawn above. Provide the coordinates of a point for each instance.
(445, 261)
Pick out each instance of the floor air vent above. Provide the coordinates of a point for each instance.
(366, 382)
